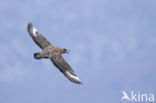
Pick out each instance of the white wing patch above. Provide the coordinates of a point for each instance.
(34, 31)
(72, 76)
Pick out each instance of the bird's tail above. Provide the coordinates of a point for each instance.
(37, 56)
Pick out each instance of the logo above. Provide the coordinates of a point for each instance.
(137, 96)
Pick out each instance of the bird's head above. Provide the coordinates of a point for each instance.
(65, 51)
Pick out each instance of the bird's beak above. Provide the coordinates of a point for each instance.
(67, 51)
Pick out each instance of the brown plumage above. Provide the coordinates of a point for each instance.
(53, 53)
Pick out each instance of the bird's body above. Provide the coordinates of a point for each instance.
(53, 53)
(49, 52)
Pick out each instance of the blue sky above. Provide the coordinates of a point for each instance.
(112, 44)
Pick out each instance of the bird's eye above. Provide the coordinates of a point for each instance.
(65, 49)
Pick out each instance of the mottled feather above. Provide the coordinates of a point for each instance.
(38, 38)
(65, 68)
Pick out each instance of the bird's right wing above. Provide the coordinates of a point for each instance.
(65, 68)
(39, 39)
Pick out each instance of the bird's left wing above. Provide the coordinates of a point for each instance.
(65, 68)
(39, 39)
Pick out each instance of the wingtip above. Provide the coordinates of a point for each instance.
(30, 25)
(79, 83)
(76, 82)
(31, 29)
(73, 78)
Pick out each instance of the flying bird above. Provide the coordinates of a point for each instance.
(52, 52)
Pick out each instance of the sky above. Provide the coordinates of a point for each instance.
(112, 44)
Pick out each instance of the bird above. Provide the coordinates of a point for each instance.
(54, 53)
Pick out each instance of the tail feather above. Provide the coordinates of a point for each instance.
(37, 56)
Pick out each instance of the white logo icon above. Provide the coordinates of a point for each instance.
(138, 96)
(125, 96)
